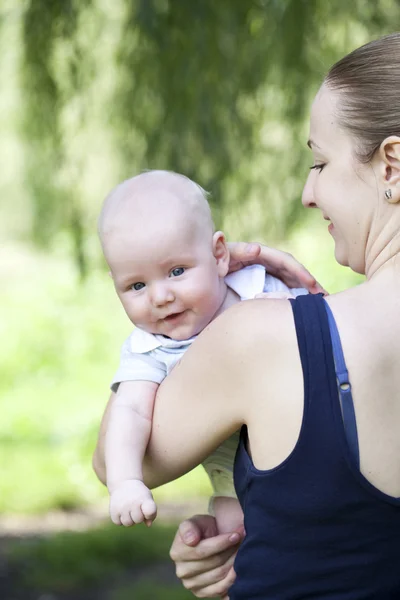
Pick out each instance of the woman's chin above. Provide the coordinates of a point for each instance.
(341, 256)
(356, 264)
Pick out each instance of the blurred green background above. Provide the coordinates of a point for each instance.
(94, 92)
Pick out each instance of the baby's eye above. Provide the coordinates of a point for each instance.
(177, 271)
(139, 285)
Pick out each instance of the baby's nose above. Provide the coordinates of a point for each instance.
(161, 294)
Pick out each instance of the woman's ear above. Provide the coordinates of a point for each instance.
(389, 154)
(221, 253)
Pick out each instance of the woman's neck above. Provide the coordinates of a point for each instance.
(383, 251)
(383, 287)
(387, 263)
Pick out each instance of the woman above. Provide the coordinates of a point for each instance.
(318, 467)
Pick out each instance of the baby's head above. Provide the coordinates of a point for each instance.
(167, 264)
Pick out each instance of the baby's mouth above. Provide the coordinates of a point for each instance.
(173, 316)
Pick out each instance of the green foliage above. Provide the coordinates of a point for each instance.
(41, 31)
(216, 90)
(151, 591)
(67, 562)
(62, 346)
(107, 562)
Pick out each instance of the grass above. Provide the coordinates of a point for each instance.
(69, 561)
(127, 563)
(149, 591)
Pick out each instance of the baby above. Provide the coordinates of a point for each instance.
(170, 271)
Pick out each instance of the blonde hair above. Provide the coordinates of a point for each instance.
(123, 194)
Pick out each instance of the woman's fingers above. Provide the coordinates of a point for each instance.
(219, 588)
(210, 577)
(243, 254)
(284, 266)
(206, 566)
(207, 554)
(277, 262)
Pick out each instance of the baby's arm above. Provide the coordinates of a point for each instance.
(127, 435)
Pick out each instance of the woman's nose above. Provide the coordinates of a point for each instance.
(307, 197)
(161, 294)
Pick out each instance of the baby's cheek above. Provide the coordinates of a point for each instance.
(137, 311)
(203, 295)
(211, 303)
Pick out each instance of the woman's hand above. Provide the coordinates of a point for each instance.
(278, 263)
(204, 559)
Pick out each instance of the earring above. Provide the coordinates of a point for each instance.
(388, 194)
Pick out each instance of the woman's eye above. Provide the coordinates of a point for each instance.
(177, 271)
(318, 167)
(138, 286)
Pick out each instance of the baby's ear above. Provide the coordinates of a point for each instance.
(221, 253)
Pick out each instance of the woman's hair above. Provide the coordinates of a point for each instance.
(368, 80)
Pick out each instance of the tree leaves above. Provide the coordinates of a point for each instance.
(196, 87)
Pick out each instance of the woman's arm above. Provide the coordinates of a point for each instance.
(197, 406)
(188, 401)
(216, 387)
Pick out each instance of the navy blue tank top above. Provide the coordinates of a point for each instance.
(315, 527)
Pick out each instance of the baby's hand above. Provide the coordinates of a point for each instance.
(278, 295)
(131, 502)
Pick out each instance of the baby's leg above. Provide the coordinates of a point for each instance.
(228, 513)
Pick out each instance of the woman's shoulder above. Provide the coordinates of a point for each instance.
(262, 365)
(253, 327)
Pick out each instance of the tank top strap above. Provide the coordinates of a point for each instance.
(324, 369)
(344, 388)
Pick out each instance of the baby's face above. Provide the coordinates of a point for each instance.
(169, 283)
